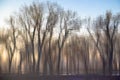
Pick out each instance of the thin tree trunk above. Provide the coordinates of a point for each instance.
(33, 56)
(59, 60)
(20, 65)
(10, 64)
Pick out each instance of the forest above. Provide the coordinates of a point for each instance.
(44, 38)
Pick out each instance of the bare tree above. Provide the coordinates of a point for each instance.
(51, 23)
(68, 23)
(107, 28)
(85, 54)
(10, 41)
(29, 20)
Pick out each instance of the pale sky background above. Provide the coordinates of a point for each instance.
(85, 8)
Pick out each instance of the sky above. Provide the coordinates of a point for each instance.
(84, 8)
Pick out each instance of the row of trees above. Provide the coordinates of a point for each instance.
(45, 38)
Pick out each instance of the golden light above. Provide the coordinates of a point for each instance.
(17, 57)
(4, 56)
(36, 57)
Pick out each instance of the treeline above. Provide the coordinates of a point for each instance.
(44, 38)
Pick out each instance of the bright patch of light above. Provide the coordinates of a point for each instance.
(4, 57)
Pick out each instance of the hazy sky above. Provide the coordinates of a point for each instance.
(84, 8)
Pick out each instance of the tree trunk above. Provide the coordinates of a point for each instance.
(111, 58)
(104, 68)
(59, 60)
(39, 56)
(10, 64)
(20, 66)
(50, 54)
(33, 56)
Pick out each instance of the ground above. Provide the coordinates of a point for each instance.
(56, 77)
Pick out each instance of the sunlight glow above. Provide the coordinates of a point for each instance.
(17, 57)
(4, 57)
